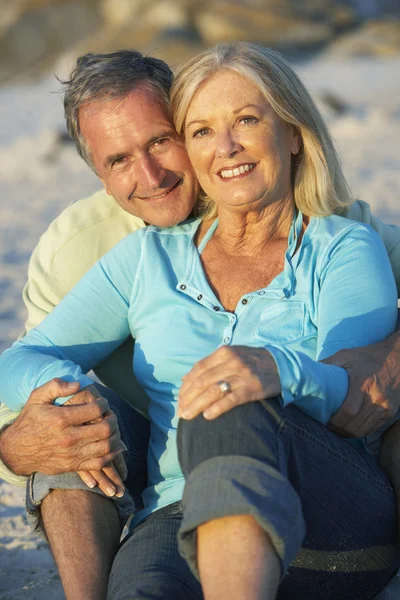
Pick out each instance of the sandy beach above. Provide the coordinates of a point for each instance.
(40, 174)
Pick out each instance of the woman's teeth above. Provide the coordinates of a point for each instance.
(227, 173)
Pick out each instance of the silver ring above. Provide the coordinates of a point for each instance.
(224, 386)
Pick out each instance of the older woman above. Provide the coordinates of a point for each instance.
(241, 304)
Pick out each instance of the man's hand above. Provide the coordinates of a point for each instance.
(81, 435)
(373, 398)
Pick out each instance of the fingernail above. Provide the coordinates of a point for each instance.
(120, 492)
(209, 413)
(185, 414)
(71, 384)
(110, 491)
(91, 485)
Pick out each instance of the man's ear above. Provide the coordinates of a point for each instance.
(296, 141)
(105, 187)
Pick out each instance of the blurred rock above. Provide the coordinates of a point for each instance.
(35, 35)
(117, 12)
(376, 38)
(229, 21)
(41, 33)
(337, 105)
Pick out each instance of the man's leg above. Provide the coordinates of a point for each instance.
(148, 565)
(83, 527)
(83, 531)
(326, 507)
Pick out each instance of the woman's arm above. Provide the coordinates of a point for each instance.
(90, 323)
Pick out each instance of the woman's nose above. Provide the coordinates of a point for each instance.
(227, 144)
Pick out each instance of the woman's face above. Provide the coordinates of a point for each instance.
(240, 149)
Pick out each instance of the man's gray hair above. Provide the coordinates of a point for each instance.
(102, 77)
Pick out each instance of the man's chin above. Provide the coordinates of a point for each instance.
(169, 221)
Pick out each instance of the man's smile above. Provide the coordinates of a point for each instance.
(159, 196)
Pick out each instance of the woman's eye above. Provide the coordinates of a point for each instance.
(248, 120)
(201, 132)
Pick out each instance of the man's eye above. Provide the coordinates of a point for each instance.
(161, 143)
(118, 161)
(201, 132)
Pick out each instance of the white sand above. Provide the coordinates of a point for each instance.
(39, 177)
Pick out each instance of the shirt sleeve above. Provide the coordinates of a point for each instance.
(389, 234)
(87, 325)
(357, 305)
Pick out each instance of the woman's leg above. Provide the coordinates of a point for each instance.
(238, 541)
(289, 473)
(148, 565)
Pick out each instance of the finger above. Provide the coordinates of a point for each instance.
(206, 380)
(114, 477)
(120, 464)
(99, 448)
(50, 391)
(371, 423)
(348, 411)
(220, 356)
(106, 484)
(211, 396)
(101, 429)
(222, 406)
(88, 394)
(97, 464)
(84, 413)
(88, 479)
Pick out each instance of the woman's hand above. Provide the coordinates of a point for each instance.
(251, 374)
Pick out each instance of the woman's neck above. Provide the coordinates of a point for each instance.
(249, 233)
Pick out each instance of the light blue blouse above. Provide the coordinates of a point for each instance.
(337, 291)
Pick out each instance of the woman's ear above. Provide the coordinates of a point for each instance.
(296, 141)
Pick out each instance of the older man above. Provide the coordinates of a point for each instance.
(117, 112)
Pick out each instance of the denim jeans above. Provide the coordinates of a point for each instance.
(327, 507)
(135, 431)
(148, 564)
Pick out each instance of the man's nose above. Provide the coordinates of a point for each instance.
(227, 144)
(151, 173)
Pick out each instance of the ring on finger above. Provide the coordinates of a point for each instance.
(224, 386)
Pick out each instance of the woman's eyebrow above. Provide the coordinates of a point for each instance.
(196, 121)
(235, 112)
(238, 110)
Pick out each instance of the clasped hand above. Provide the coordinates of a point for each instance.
(251, 374)
(82, 435)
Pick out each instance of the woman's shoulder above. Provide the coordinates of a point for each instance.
(334, 228)
(337, 236)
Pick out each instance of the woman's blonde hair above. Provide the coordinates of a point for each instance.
(319, 185)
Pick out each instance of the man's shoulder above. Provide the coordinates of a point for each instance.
(77, 238)
(96, 212)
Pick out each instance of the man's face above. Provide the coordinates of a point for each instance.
(139, 157)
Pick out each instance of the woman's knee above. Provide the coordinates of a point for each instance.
(246, 430)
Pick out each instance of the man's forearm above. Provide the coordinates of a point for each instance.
(7, 417)
(12, 460)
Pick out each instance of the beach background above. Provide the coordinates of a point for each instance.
(348, 54)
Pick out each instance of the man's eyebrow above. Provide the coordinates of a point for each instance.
(160, 135)
(235, 112)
